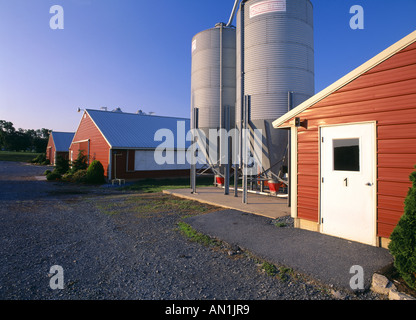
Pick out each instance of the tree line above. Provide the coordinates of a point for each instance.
(21, 139)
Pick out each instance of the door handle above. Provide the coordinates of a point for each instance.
(369, 184)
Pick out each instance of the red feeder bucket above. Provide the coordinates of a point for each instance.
(274, 186)
(220, 180)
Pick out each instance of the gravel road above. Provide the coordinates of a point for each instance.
(114, 245)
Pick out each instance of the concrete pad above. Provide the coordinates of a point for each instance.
(322, 257)
(262, 205)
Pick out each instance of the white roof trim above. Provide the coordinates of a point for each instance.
(79, 124)
(81, 141)
(98, 128)
(384, 55)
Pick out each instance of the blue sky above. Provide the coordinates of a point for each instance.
(136, 54)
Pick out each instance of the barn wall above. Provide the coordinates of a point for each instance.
(50, 150)
(123, 167)
(98, 146)
(63, 154)
(385, 94)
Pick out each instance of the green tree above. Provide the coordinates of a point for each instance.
(6, 134)
(39, 144)
(61, 165)
(22, 140)
(95, 173)
(403, 238)
(80, 163)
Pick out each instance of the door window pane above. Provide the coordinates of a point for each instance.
(346, 154)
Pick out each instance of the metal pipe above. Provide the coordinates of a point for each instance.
(89, 141)
(246, 143)
(110, 164)
(195, 115)
(221, 82)
(289, 158)
(227, 165)
(240, 162)
(223, 116)
(232, 13)
(241, 115)
(243, 96)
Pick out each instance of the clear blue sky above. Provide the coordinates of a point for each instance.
(136, 54)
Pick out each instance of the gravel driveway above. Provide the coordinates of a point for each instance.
(116, 245)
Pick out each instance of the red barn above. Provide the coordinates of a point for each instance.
(353, 147)
(58, 145)
(125, 143)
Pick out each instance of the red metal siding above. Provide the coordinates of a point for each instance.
(371, 93)
(403, 58)
(386, 94)
(50, 150)
(308, 174)
(99, 148)
(78, 147)
(131, 154)
(395, 146)
(390, 76)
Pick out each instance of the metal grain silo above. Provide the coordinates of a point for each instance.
(213, 79)
(275, 67)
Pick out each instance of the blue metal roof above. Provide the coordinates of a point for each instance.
(62, 140)
(136, 131)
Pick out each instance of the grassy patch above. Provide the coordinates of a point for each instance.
(196, 236)
(282, 273)
(164, 203)
(269, 268)
(110, 208)
(17, 156)
(151, 205)
(280, 224)
(156, 185)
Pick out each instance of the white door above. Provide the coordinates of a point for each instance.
(348, 182)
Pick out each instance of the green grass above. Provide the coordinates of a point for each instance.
(285, 273)
(196, 236)
(17, 156)
(167, 203)
(156, 185)
(269, 268)
(280, 224)
(282, 273)
(151, 205)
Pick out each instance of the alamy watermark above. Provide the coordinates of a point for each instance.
(357, 280)
(357, 20)
(57, 277)
(57, 20)
(220, 147)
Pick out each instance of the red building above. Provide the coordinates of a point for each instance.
(58, 145)
(353, 147)
(125, 143)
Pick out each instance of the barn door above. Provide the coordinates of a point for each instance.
(50, 156)
(348, 182)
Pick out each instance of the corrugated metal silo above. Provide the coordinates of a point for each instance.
(213, 79)
(275, 60)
